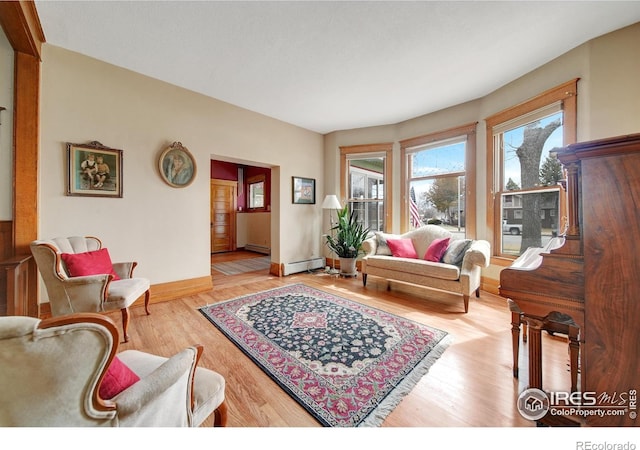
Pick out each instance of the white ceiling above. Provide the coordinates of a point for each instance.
(332, 65)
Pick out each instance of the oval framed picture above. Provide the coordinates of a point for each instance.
(177, 166)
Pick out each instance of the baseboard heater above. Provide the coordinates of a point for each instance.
(303, 266)
(258, 249)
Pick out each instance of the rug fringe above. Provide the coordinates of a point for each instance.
(380, 413)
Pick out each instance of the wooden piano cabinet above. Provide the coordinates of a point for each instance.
(15, 277)
(610, 194)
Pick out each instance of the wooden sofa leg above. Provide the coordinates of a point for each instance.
(478, 293)
(220, 415)
(146, 302)
(364, 279)
(125, 323)
(466, 303)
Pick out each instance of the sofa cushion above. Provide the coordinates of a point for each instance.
(417, 267)
(382, 247)
(402, 248)
(455, 251)
(422, 237)
(436, 249)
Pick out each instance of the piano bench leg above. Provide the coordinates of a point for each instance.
(515, 340)
(574, 351)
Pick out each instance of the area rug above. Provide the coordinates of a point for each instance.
(348, 364)
(243, 265)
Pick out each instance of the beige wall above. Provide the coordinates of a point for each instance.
(165, 229)
(608, 105)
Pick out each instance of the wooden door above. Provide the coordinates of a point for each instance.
(223, 215)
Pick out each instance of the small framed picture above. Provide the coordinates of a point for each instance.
(94, 170)
(304, 190)
(177, 166)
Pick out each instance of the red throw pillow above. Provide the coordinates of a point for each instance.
(96, 262)
(402, 248)
(436, 249)
(117, 379)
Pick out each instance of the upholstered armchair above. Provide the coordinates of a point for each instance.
(80, 277)
(58, 371)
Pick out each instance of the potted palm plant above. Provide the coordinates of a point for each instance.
(347, 240)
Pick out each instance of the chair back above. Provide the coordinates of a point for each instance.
(47, 254)
(50, 370)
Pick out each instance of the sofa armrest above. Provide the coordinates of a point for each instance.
(370, 246)
(479, 254)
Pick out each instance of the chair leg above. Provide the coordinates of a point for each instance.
(466, 303)
(125, 323)
(478, 293)
(364, 279)
(146, 302)
(220, 415)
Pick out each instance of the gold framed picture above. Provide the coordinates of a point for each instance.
(94, 170)
(177, 166)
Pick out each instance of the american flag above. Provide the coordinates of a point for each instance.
(413, 208)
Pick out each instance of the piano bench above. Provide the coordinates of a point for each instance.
(552, 323)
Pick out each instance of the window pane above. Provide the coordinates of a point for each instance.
(439, 160)
(366, 190)
(369, 213)
(256, 195)
(523, 159)
(530, 221)
(434, 196)
(439, 201)
(529, 218)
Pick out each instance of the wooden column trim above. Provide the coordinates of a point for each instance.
(20, 22)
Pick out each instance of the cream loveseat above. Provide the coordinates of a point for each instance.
(458, 269)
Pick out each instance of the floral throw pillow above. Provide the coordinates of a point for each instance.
(455, 252)
(383, 247)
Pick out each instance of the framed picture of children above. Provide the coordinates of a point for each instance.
(94, 170)
(177, 166)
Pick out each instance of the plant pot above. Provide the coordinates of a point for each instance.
(348, 267)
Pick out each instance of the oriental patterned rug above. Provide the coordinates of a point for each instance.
(348, 364)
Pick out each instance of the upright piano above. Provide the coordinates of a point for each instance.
(591, 276)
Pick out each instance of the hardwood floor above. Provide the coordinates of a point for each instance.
(471, 385)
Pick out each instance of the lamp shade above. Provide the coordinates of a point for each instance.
(331, 202)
